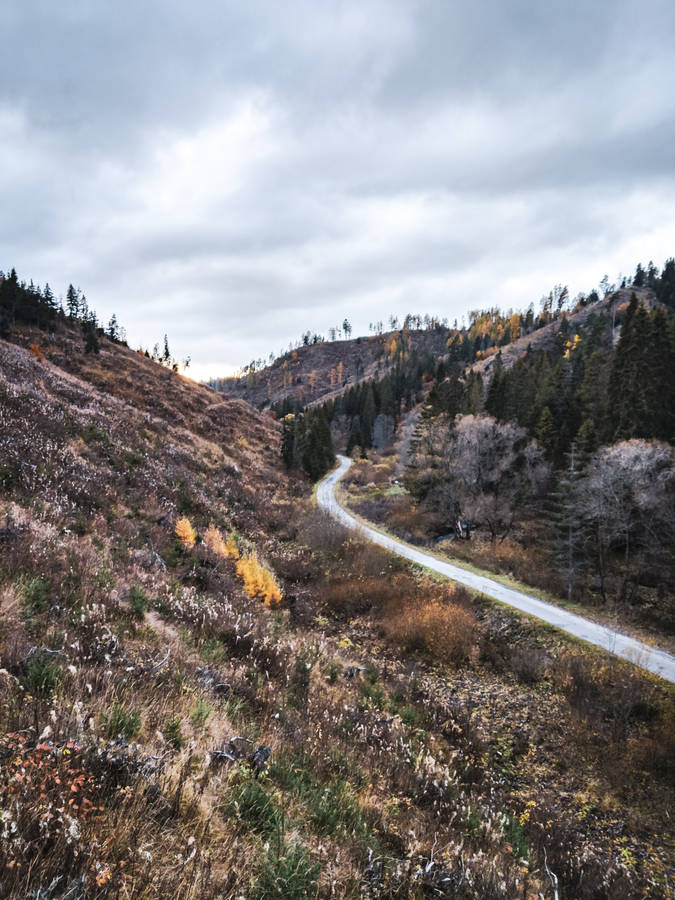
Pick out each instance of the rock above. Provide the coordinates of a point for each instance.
(258, 759)
(149, 559)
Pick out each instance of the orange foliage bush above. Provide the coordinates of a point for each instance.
(214, 541)
(231, 549)
(185, 533)
(259, 582)
(443, 629)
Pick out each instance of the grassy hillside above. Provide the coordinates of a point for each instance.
(258, 705)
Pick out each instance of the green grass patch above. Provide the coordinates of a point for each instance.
(122, 720)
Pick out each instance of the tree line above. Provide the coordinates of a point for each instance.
(28, 304)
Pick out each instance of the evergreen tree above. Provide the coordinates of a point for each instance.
(566, 525)
(91, 344)
(495, 401)
(288, 442)
(665, 289)
(547, 433)
(72, 302)
(113, 329)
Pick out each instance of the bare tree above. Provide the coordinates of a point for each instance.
(626, 501)
(477, 469)
(496, 470)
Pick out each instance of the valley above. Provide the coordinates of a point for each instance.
(210, 687)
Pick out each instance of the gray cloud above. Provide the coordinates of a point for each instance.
(234, 174)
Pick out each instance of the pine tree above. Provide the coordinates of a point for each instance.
(566, 526)
(113, 328)
(627, 401)
(547, 433)
(288, 441)
(91, 344)
(495, 402)
(72, 302)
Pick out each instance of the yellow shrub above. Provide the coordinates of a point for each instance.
(258, 581)
(214, 541)
(185, 533)
(231, 550)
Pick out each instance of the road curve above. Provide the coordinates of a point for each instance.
(653, 660)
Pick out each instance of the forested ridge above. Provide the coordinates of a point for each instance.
(591, 383)
(25, 304)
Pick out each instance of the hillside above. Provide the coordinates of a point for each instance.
(544, 338)
(324, 370)
(209, 690)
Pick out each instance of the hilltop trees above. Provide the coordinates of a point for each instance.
(29, 305)
(640, 392)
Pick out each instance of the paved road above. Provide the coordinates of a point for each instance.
(658, 661)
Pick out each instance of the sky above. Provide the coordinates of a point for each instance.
(233, 174)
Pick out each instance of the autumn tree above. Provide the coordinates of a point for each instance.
(185, 533)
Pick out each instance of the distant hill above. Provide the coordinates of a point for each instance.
(324, 370)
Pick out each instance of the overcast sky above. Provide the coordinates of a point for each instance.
(234, 173)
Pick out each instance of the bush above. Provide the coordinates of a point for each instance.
(122, 720)
(438, 627)
(214, 541)
(185, 533)
(138, 603)
(10, 476)
(259, 581)
(254, 808)
(200, 713)
(41, 677)
(287, 875)
(173, 734)
(36, 596)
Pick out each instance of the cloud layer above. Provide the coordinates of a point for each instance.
(234, 174)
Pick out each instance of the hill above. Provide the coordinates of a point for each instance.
(324, 370)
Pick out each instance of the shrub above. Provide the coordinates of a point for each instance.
(138, 603)
(515, 835)
(254, 808)
(200, 713)
(444, 630)
(173, 734)
(122, 720)
(36, 596)
(42, 676)
(287, 874)
(10, 476)
(231, 549)
(185, 533)
(335, 807)
(259, 582)
(214, 541)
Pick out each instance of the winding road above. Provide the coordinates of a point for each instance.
(650, 658)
